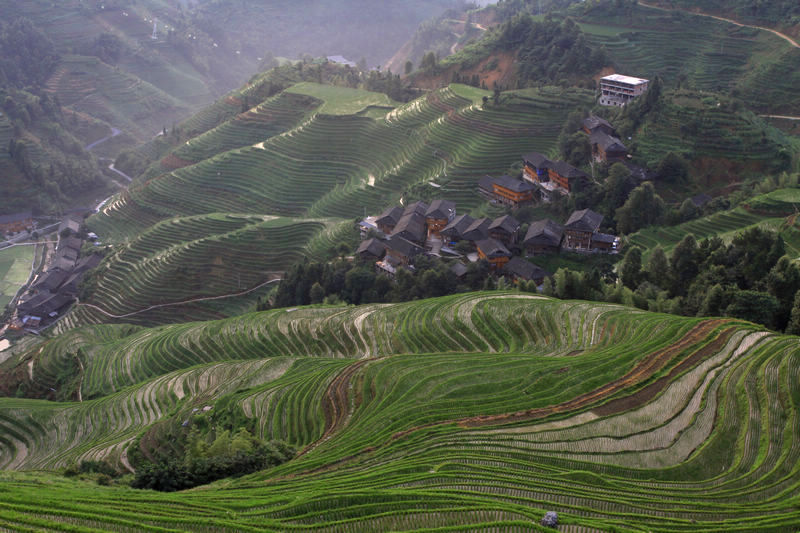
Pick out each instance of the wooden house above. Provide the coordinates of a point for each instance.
(512, 191)
(536, 167)
(486, 187)
(504, 229)
(477, 231)
(594, 124)
(607, 148)
(402, 250)
(389, 219)
(412, 227)
(454, 231)
(438, 215)
(70, 225)
(566, 176)
(371, 250)
(520, 269)
(580, 228)
(543, 237)
(494, 252)
(604, 242)
(16, 222)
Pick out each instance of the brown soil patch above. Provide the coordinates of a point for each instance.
(232, 100)
(335, 403)
(649, 392)
(646, 368)
(173, 162)
(605, 71)
(502, 74)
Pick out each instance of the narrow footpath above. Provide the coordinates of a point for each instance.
(723, 19)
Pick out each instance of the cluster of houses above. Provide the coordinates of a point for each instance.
(404, 232)
(57, 287)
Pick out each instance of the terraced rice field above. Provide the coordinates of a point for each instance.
(475, 412)
(15, 269)
(307, 153)
(180, 268)
(706, 54)
(773, 211)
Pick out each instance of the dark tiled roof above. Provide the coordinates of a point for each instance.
(89, 262)
(403, 246)
(70, 254)
(568, 171)
(459, 269)
(63, 263)
(526, 270)
(607, 142)
(391, 216)
(457, 226)
(544, 232)
(479, 229)
(441, 209)
(486, 183)
(411, 226)
(492, 248)
(373, 247)
(71, 224)
(416, 207)
(584, 220)
(513, 184)
(701, 199)
(639, 173)
(536, 160)
(604, 237)
(15, 217)
(506, 223)
(51, 280)
(594, 122)
(70, 242)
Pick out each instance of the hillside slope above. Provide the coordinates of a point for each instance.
(478, 411)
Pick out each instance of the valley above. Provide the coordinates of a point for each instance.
(537, 271)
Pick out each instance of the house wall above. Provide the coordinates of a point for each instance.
(559, 179)
(512, 198)
(581, 240)
(435, 225)
(539, 249)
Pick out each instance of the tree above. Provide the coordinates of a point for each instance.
(631, 270)
(673, 168)
(684, 264)
(794, 322)
(758, 307)
(642, 208)
(715, 302)
(317, 293)
(409, 66)
(575, 149)
(688, 211)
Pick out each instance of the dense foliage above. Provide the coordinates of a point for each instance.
(749, 278)
(208, 446)
(27, 55)
(357, 283)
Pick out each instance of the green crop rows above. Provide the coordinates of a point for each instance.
(471, 412)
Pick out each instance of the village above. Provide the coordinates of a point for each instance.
(55, 287)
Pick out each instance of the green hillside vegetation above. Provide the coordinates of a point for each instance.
(15, 269)
(479, 411)
(777, 13)
(756, 66)
(320, 157)
(193, 260)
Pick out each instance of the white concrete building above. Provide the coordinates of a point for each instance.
(618, 90)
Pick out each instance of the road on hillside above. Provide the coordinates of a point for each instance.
(723, 19)
(114, 133)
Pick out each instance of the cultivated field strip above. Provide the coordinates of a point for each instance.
(473, 412)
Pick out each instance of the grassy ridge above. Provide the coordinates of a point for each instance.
(482, 411)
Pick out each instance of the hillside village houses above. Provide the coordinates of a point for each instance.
(618, 89)
(396, 237)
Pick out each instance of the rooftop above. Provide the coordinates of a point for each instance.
(584, 220)
(620, 78)
(492, 248)
(513, 184)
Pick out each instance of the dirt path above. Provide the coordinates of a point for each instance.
(336, 404)
(785, 117)
(723, 19)
(184, 302)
